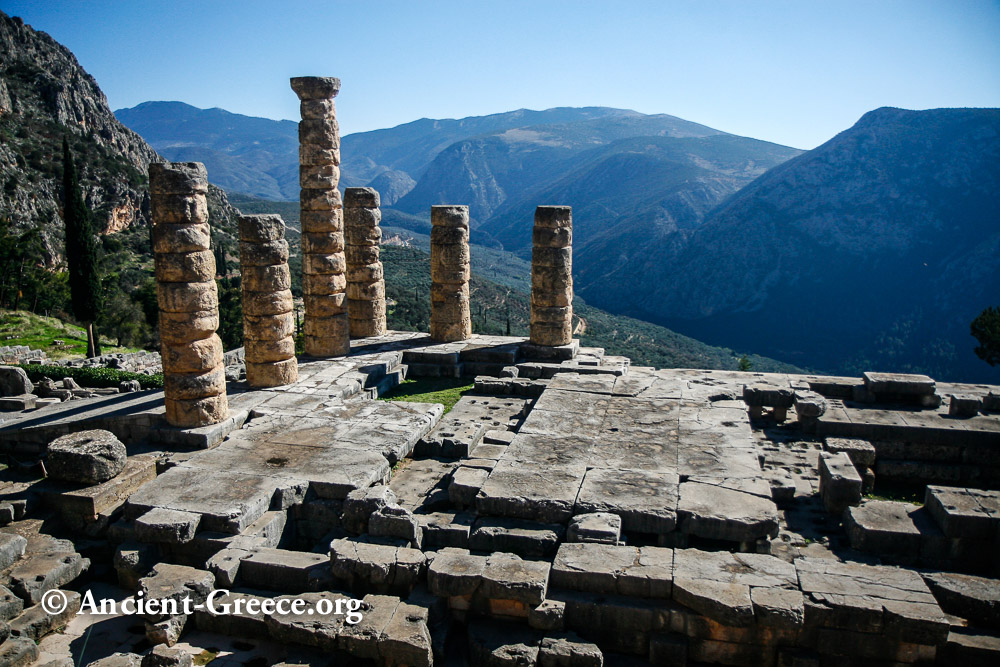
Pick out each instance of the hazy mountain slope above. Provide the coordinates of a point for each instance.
(485, 171)
(874, 250)
(256, 156)
(643, 181)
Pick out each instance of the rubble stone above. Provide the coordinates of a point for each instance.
(87, 457)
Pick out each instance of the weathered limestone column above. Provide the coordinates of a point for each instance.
(451, 317)
(327, 332)
(365, 279)
(194, 376)
(268, 320)
(552, 276)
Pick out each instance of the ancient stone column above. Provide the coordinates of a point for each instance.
(552, 276)
(268, 317)
(450, 270)
(194, 376)
(365, 281)
(327, 332)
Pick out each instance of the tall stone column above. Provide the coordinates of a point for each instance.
(365, 279)
(268, 317)
(327, 332)
(194, 375)
(552, 276)
(451, 317)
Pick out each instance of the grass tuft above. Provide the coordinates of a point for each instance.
(445, 391)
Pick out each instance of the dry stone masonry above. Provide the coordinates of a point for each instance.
(451, 317)
(552, 276)
(327, 330)
(365, 281)
(193, 373)
(268, 317)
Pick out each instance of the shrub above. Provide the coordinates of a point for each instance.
(92, 377)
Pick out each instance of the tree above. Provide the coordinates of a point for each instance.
(745, 364)
(81, 253)
(986, 329)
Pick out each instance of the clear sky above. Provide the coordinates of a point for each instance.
(793, 72)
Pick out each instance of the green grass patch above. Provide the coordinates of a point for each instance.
(92, 377)
(445, 391)
(19, 327)
(898, 492)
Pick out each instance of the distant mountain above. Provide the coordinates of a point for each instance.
(248, 155)
(874, 250)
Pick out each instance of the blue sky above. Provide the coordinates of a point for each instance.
(791, 72)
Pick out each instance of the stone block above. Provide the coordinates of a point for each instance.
(35, 622)
(376, 567)
(89, 502)
(899, 384)
(548, 616)
(974, 598)
(362, 503)
(963, 512)
(465, 485)
(531, 492)
(778, 607)
(769, 396)
(499, 644)
(507, 577)
(406, 639)
(132, 562)
(18, 652)
(14, 381)
(455, 574)
(286, 571)
(568, 650)
(593, 568)
(86, 457)
(721, 513)
(839, 482)
(524, 538)
(395, 521)
(308, 629)
(964, 405)
(161, 656)
(18, 403)
(165, 525)
(900, 531)
(444, 529)
(10, 604)
(646, 501)
(12, 547)
(727, 603)
(32, 577)
(861, 452)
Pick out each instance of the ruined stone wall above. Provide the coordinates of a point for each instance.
(193, 373)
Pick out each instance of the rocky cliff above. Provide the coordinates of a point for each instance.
(46, 95)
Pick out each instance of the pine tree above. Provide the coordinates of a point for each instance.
(986, 330)
(81, 252)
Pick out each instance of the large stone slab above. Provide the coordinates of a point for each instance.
(531, 492)
(962, 512)
(974, 598)
(331, 472)
(227, 501)
(645, 501)
(722, 513)
(88, 502)
(899, 384)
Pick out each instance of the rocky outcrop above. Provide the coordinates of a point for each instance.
(45, 94)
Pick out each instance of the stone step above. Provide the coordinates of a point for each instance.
(901, 532)
(364, 565)
(528, 539)
(285, 571)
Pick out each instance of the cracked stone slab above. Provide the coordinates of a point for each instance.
(962, 512)
(974, 598)
(331, 472)
(531, 492)
(719, 513)
(758, 570)
(645, 501)
(228, 502)
(871, 598)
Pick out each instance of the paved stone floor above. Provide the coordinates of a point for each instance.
(569, 510)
